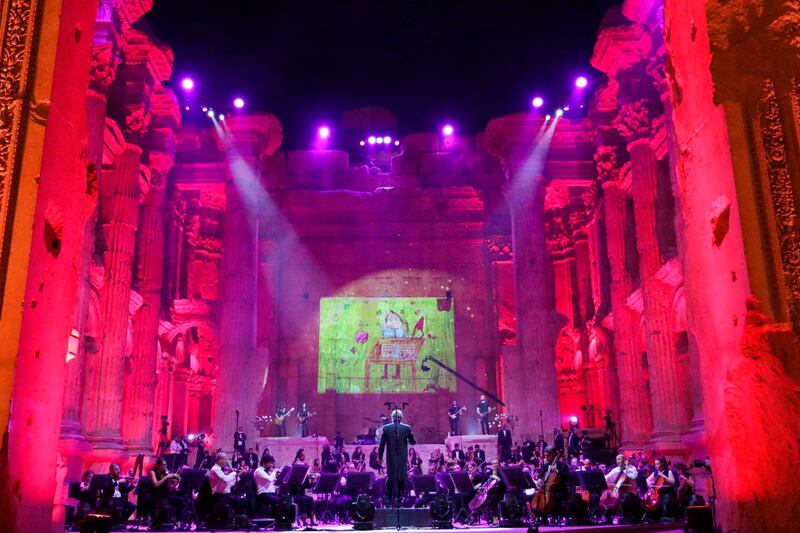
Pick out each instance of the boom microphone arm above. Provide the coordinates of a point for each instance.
(459, 376)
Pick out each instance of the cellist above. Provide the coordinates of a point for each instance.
(620, 480)
(551, 487)
(661, 496)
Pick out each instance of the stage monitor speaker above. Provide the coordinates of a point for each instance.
(409, 517)
(699, 519)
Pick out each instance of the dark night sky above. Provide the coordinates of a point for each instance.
(428, 61)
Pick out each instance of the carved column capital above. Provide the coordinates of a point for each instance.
(607, 163)
(500, 248)
(635, 120)
(103, 70)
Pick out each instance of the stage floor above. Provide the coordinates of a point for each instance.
(665, 528)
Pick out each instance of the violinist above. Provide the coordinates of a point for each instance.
(165, 495)
(114, 495)
(551, 487)
(265, 477)
(660, 497)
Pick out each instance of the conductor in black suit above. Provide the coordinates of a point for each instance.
(395, 439)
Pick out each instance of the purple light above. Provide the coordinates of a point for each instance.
(559, 112)
(581, 82)
(372, 139)
(397, 143)
(448, 130)
(573, 420)
(362, 143)
(324, 132)
(538, 102)
(238, 102)
(187, 84)
(379, 140)
(387, 140)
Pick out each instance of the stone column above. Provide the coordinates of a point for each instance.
(668, 404)
(634, 397)
(237, 317)
(530, 372)
(119, 213)
(140, 384)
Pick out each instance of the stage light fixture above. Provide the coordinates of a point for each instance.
(581, 82)
(448, 130)
(190, 436)
(559, 112)
(205, 109)
(238, 102)
(387, 140)
(566, 108)
(441, 512)
(361, 143)
(221, 116)
(186, 108)
(324, 132)
(397, 143)
(538, 102)
(362, 511)
(573, 420)
(547, 118)
(187, 84)
(379, 140)
(210, 113)
(372, 139)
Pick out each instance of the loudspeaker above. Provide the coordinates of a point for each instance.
(699, 519)
(409, 517)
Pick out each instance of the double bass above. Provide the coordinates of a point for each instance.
(543, 500)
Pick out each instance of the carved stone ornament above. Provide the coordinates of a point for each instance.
(607, 163)
(103, 69)
(500, 248)
(17, 36)
(782, 197)
(635, 120)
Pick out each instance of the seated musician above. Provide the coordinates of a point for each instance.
(221, 477)
(164, 494)
(414, 462)
(552, 492)
(374, 462)
(661, 493)
(344, 496)
(265, 477)
(621, 480)
(86, 500)
(113, 496)
(305, 503)
(496, 491)
(358, 459)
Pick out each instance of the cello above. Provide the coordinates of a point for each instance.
(543, 500)
(651, 499)
(483, 493)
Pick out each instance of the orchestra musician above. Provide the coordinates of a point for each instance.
(265, 476)
(164, 493)
(221, 477)
(660, 498)
(479, 455)
(454, 416)
(458, 455)
(483, 409)
(621, 480)
(358, 459)
(305, 503)
(251, 459)
(114, 495)
(551, 487)
(415, 462)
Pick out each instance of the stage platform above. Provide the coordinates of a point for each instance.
(639, 528)
(283, 449)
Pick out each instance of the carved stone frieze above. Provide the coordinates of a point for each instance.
(782, 197)
(103, 68)
(500, 248)
(635, 120)
(607, 163)
(17, 34)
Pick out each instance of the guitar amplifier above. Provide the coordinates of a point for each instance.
(409, 517)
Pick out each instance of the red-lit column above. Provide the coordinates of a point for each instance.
(634, 397)
(119, 214)
(140, 384)
(668, 403)
(237, 317)
(530, 383)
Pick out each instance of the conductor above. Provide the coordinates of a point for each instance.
(395, 439)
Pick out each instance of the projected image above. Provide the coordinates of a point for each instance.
(377, 344)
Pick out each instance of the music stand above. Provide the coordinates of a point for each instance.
(358, 482)
(74, 490)
(593, 482)
(514, 478)
(191, 479)
(462, 482)
(326, 484)
(447, 482)
(424, 484)
(98, 483)
(283, 475)
(296, 475)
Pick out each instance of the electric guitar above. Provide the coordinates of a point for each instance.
(453, 416)
(278, 420)
(484, 415)
(304, 418)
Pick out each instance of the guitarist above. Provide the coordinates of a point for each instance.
(454, 414)
(280, 418)
(303, 415)
(483, 411)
